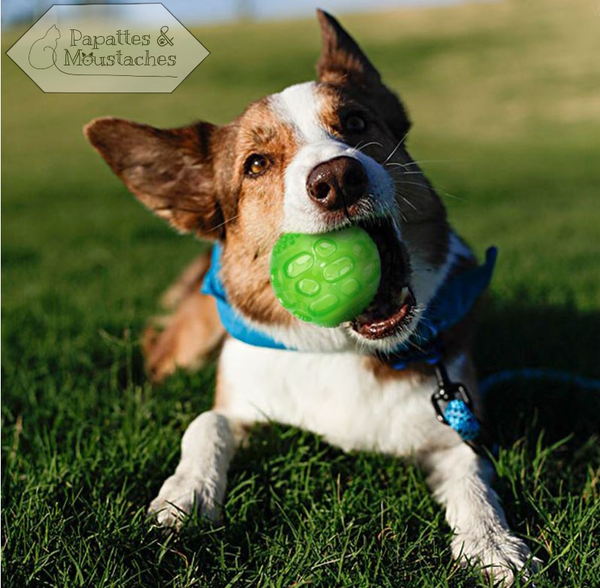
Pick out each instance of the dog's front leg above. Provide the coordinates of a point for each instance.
(201, 476)
(461, 481)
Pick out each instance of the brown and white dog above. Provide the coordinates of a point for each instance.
(314, 157)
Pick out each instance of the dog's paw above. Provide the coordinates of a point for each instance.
(501, 556)
(180, 495)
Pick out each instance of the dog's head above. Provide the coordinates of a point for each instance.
(314, 157)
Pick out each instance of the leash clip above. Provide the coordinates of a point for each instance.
(457, 413)
(447, 391)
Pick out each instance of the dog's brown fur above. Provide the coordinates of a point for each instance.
(188, 335)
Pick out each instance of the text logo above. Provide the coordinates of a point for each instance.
(107, 48)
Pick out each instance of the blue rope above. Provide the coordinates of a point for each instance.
(460, 417)
(537, 374)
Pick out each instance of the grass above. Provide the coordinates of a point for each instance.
(504, 99)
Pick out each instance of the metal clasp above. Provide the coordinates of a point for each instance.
(447, 390)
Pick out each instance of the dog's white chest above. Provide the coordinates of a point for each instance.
(333, 395)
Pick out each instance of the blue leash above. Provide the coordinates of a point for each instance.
(563, 377)
(458, 414)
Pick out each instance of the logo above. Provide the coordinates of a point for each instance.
(108, 48)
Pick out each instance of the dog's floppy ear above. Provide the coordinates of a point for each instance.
(343, 62)
(170, 171)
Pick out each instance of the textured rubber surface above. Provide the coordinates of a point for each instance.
(328, 278)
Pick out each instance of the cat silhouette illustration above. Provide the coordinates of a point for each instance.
(87, 59)
(42, 53)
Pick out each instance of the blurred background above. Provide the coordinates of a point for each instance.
(503, 96)
(505, 101)
(27, 11)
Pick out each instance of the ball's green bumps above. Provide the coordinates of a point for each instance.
(327, 278)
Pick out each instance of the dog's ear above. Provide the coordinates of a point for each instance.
(343, 62)
(170, 171)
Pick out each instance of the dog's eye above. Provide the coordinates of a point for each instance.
(354, 123)
(256, 165)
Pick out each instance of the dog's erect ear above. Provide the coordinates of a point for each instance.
(343, 62)
(170, 171)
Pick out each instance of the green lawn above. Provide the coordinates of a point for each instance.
(507, 117)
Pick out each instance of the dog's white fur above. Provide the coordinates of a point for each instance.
(352, 410)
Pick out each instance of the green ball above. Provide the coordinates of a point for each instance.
(327, 278)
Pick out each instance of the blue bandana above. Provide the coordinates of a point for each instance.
(453, 301)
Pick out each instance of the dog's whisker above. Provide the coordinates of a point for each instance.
(409, 203)
(226, 221)
(368, 145)
(400, 173)
(432, 161)
(407, 183)
(395, 148)
(176, 208)
(444, 193)
(192, 211)
(420, 173)
(399, 211)
(394, 164)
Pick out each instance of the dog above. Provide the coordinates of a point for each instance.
(315, 157)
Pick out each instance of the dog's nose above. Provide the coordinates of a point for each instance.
(337, 183)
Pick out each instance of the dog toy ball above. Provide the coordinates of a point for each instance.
(327, 278)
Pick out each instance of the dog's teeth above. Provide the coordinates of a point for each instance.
(404, 294)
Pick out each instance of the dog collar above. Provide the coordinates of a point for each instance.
(453, 301)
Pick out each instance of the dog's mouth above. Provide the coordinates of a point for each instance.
(393, 305)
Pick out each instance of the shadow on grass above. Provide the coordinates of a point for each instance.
(520, 335)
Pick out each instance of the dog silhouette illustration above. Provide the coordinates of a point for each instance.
(42, 53)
